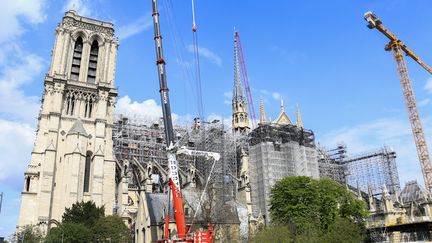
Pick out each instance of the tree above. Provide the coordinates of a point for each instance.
(111, 229)
(86, 213)
(70, 232)
(29, 233)
(85, 222)
(344, 230)
(309, 206)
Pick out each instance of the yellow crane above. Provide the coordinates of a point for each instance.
(398, 47)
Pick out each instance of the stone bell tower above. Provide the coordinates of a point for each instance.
(72, 159)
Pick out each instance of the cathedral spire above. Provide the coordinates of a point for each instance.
(262, 112)
(282, 109)
(299, 118)
(237, 91)
(240, 119)
(283, 118)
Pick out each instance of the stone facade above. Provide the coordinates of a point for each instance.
(72, 159)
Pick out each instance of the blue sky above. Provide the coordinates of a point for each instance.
(318, 54)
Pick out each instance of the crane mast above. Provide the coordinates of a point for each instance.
(398, 47)
(173, 181)
(173, 149)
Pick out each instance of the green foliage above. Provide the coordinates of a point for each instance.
(280, 234)
(111, 229)
(341, 231)
(85, 222)
(30, 234)
(70, 232)
(344, 230)
(286, 234)
(315, 207)
(86, 213)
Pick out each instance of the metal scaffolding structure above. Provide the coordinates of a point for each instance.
(277, 151)
(144, 141)
(373, 169)
(330, 162)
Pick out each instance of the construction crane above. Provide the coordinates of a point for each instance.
(172, 150)
(398, 48)
(245, 78)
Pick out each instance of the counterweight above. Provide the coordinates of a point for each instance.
(398, 47)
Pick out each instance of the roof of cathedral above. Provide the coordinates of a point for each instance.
(283, 118)
(157, 202)
(414, 192)
(77, 128)
(156, 205)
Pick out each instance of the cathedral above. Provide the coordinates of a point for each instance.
(72, 159)
(82, 153)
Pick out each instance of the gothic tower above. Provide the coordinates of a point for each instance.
(72, 159)
(240, 120)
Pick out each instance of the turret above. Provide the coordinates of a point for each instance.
(263, 119)
(299, 118)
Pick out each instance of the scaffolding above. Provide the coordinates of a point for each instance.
(144, 140)
(373, 169)
(277, 151)
(330, 162)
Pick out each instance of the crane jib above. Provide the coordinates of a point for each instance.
(398, 46)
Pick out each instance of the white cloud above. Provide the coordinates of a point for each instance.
(13, 101)
(207, 54)
(16, 142)
(80, 6)
(147, 108)
(131, 29)
(276, 96)
(393, 132)
(18, 110)
(13, 12)
(428, 85)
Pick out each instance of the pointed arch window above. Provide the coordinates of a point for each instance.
(70, 104)
(94, 52)
(87, 172)
(76, 59)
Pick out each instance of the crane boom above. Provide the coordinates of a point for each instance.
(174, 180)
(172, 150)
(375, 22)
(398, 47)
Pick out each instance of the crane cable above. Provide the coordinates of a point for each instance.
(179, 47)
(197, 64)
(202, 196)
